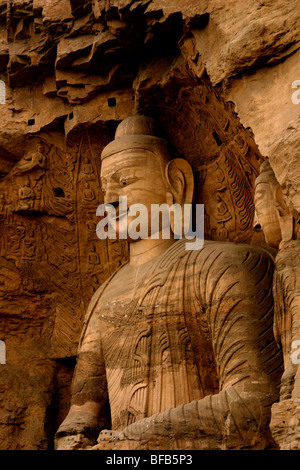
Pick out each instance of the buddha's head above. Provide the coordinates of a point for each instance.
(138, 164)
(271, 212)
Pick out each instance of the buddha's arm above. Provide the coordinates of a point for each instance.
(239, 307)
(89, 410)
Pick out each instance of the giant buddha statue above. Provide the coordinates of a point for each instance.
(177, 348)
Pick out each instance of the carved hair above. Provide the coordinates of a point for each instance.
(138, 132)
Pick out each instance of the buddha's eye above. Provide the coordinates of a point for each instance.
(258, 197)
(123, 181)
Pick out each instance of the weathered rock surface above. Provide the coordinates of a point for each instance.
(218, 78)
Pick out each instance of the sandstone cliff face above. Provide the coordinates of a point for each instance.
(218, 78)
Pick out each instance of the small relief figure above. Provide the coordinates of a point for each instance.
(220, 177)
(32, 161)
(38, 195)
(88, 193)
(117, 253)
(28, 247)
(93, 258)
(9, 210)
(91, 224)
(2, 203)
(9, 205)
(95, 282)
(223, 214)
(88, 170)
(14, 241)
(26, 197)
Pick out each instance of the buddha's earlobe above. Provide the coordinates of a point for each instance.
(169, 198)
(170, 202)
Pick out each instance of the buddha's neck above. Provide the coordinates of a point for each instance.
(143, 251)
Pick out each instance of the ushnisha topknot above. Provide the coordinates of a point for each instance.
(138, 132)
(265, 166)
(136, 125)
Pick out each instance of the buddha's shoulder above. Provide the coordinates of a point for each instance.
(226, 253)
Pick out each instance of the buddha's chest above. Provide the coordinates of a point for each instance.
(149, 357)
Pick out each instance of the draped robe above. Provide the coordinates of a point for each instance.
(182, 349)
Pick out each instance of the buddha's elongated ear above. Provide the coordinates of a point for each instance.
(286, 219)
(180, 178)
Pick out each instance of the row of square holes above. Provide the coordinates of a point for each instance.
(112, 102)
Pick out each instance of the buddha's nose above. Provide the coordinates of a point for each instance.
(256, 223)
(111, 194)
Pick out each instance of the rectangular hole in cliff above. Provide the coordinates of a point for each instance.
(217, 138)
(31, 122)
(112, 102)
(71, 115)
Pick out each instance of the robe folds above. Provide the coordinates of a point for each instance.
(182, 348)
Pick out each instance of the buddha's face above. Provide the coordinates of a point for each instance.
(136, 174)
(266, 213)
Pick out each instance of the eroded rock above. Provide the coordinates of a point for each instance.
(217, 78)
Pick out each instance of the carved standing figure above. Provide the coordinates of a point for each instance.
(177, 349)
(280, 230)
